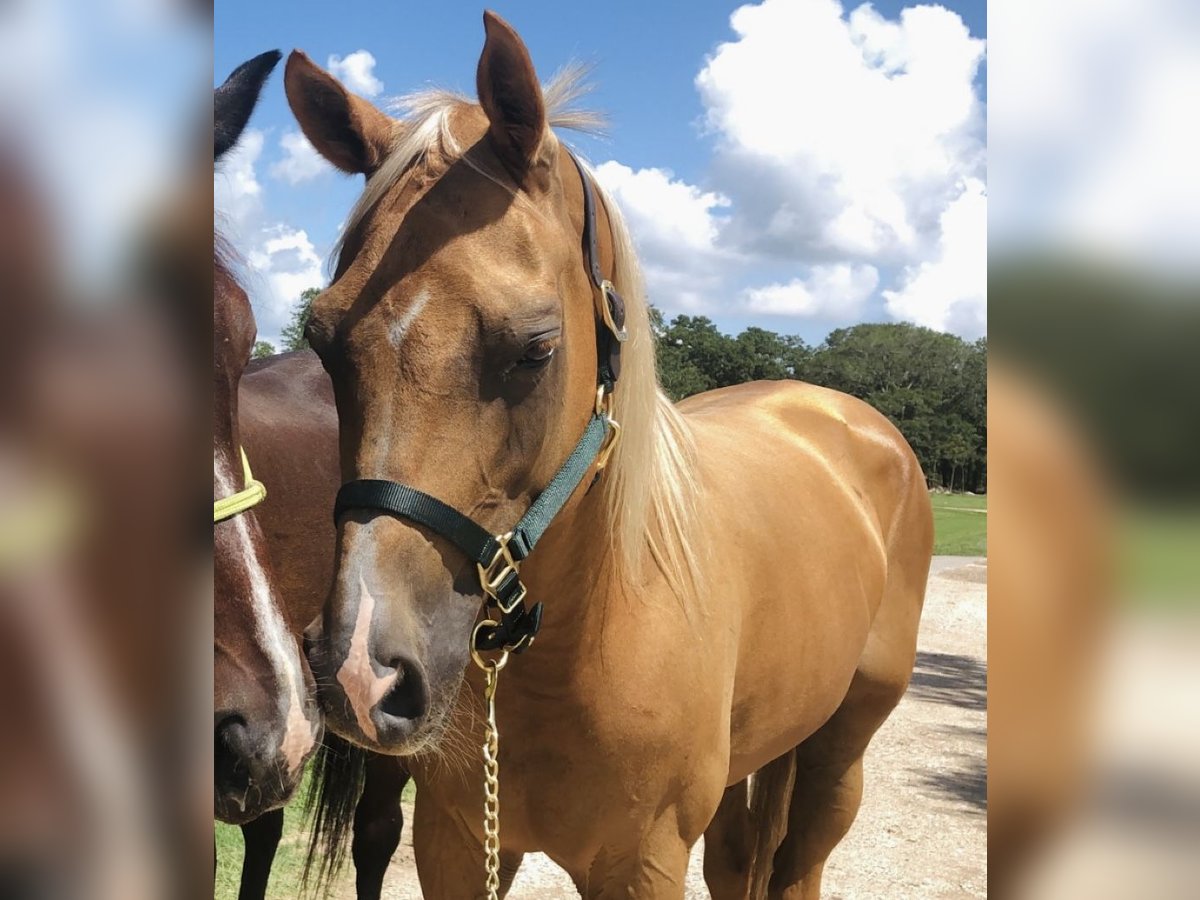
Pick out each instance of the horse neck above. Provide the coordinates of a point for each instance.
(574, 570)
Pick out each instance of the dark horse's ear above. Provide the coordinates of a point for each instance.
(344, 128)
(509, 93)
(234, 101)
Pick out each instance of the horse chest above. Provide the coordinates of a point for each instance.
(570, 745)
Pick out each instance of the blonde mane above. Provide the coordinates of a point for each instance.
(650, 486)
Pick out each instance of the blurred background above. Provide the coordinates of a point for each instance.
(105, 572)
(1094, 528)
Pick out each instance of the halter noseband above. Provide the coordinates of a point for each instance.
(499, 557)
(254, 493)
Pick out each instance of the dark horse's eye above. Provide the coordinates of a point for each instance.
(538, 354)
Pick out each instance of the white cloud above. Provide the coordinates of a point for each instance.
(675, 227)
(846, 146)
(357, 72)
(237, 193)
(301, 162)
(835, 291)
(669, 216)
(842, 137)
(283, 263)
(949, 291)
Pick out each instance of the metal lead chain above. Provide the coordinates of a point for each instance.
(491, 776)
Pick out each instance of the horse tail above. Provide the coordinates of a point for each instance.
(770, 798)
(338, 774)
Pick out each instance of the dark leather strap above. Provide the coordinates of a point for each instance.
(591, 252)
(477, 543)
(608, 348)
(401, 500)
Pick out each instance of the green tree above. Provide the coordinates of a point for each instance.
(933, 387)
(760, 354)
(293, 332)
(262, 349)
(678, 372)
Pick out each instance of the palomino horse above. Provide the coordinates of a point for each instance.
(736, 591)
(286, 421)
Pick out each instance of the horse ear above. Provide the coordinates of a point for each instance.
(234, 101)
(510, 95)
(344, 128)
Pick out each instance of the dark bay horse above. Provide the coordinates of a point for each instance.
(289, 427)
(267, 723)
(274, 570)
(737, 592)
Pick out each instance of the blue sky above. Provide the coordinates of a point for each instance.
(674, 156)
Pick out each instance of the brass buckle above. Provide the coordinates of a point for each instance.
(604, 408)
(495, 572)
(614, 437)
(606, 288)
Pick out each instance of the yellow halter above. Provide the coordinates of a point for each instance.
(254, 493)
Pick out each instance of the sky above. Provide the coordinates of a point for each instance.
(800, 165)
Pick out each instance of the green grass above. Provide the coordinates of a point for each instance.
(959, 524)
(1156, 556)
(289, 861)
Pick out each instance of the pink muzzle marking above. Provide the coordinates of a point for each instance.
(364, 689)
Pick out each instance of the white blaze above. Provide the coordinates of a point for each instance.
(273, 635)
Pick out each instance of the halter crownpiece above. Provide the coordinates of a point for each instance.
(254, 493)
(499, 557)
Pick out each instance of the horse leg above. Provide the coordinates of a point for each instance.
(824, 803)
(829, 769)
(510, 864)
(728, 846)
(378, 822)
(655, 868)
(449, 855)
(829, 777)
(261, 837)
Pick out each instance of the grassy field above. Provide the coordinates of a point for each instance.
(959, 524)
(1157, 562)
(289, 861)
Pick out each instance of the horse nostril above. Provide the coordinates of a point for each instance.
(231, 753)
(408, 698)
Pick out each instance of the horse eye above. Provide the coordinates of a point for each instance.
(537, 354)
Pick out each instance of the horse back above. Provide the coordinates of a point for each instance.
(795, 434)
(289, 428)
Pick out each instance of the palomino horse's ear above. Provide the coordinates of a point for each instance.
(344, 128)
(234, 101)
(509, 93)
